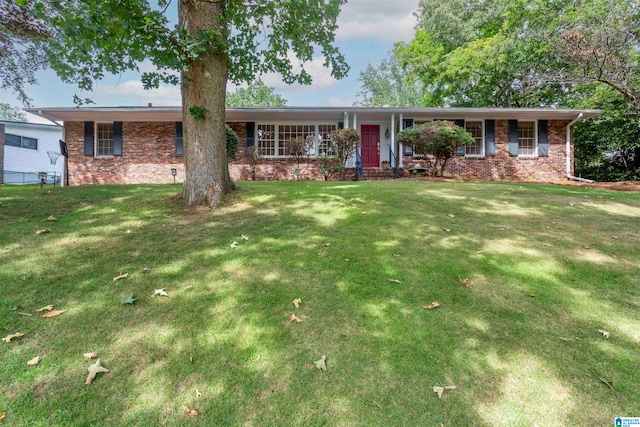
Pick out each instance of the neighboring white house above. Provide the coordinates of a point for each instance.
(25, 152)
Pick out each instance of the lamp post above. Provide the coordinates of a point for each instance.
(174, 172)
(42, 176)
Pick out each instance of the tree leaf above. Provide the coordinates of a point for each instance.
(234, 244)
(160, 292)
(145, 270)
(464, 281)
(432, 305)
(120, 277)
(94, 370)
(608, 383)
(191, 412)
(322, 363)
(8, 338)
(43, 231)
(46, 308)
(294, 318)
(130, 300)
(605, 334)
(91, 355)
(438, 390)
(34, 361)
(244, 237)
(53, 313)
(451, 215)
(51, 218)
(297, 302)
(447, 229)
(395, 281)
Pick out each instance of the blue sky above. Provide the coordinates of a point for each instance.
(367, 31)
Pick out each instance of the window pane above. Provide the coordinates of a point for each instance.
(31, 143)
(526, 138)
(290, 132)
(475, 129)
(324, 139)
(266, 140)
(13, 140)
(105, 139)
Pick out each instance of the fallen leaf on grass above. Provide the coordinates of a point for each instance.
(399, 254)
(145, 270)
(563, 339)
(447, 229)
(395, 281)
(51, 218)
(34, 361)
(549, 245)
(297, 302)
(91, 355)
(244, 237)
(532, 295)
(2, 415)
(94, 370)
(608, 383)
(130, 300)
(198, 394)
(605, 334)
(47, 308)
(451, 215)
(120, 277)
(191, 412)
(440, 390)
(294, 318)
(160, 292)
(43, 231)
(321, 364)
(432, 305)
(234, 244)
(638, 248)
(465, 281)
(53, 313)
(8, 338)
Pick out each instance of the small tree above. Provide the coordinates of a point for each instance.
(299, 149)
(329, 166)
(254, 158)
(232, 141)
(437, 142)
(344, 144)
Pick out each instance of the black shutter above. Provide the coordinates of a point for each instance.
(513, 138)
(490, 138)
(543, 138)
(88, 138)
(340, 125)
(179, 144)
(251, 134)
(63, 148)
(461, 150)
(117, 138)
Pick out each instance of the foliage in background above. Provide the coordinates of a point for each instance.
(344, 144)
(389, 84)
(231, 139)
(257, 94)
(436, 142)
(10, 113)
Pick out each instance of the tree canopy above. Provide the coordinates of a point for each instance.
(11, 113)
(257, 94)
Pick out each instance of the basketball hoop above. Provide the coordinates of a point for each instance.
(53, 156)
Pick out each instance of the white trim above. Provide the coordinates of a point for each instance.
(483, 141)
(95, 140)
(535, 140)
(355, 121)
(276, 136)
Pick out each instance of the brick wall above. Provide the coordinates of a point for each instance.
(148, 154)
(502, 167)
(1, 153)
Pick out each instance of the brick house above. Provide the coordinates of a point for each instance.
(126, 145)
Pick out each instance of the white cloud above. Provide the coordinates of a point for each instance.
(132, 92)
(377, 19)
(321, 76)
(337, 101)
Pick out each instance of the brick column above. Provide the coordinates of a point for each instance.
(1, 153)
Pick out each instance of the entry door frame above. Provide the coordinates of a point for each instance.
(370, 147)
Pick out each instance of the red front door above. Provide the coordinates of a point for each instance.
(370, 142)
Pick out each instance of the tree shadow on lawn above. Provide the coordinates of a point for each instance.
(224, 331)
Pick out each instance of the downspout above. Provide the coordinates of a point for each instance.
(568, 151)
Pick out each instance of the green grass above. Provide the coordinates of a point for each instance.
(222, 344)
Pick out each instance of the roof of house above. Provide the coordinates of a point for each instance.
(246, 114)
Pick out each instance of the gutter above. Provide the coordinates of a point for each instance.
(568, 151)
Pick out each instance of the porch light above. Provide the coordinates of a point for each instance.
(387, 133)
(174, 172)
(42, 176)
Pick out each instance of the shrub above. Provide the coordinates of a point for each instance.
(344, 144)
(231, 141)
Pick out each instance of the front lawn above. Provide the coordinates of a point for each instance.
(547, 268)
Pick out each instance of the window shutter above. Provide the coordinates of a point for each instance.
(543, 138)
(117, 138)
(340, 125)
(179, 144)
(251, 134)
(490, 138)
(513, 138)
(460, 151)
(407, 123)
(88, 138)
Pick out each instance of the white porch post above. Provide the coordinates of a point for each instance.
(393, 135)
(355, 121)
(401, 148)
(346, 120)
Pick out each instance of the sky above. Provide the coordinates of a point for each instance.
(367, 32)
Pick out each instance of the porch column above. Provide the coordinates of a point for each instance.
(401, 148)
(355, 121)
(346, 120)
(393, 135)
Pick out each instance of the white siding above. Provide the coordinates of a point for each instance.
(32, 161)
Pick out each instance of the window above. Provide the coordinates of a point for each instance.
(104, 139)
(21, 141)
(272, 139)
(526, 138)
(476, 131)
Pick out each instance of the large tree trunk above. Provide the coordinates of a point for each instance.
(204, 85)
